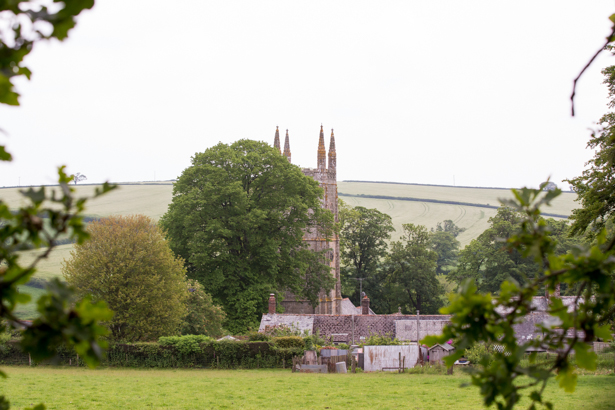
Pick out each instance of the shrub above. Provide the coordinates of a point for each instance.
(258, 337)
(381, 340)
(314, 340)
(480, 354)
(202, 316)
(343, 346)
(185, 344)
(287, 342)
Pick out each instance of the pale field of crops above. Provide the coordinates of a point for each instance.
(150, 200)
(474, 219)
(562, 205)
(153, 200)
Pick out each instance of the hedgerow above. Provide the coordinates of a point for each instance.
(180, 352)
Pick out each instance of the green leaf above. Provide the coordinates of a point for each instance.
(585, 357)
(603, 332)
(22, 298)
(4, 155)
(567, 379)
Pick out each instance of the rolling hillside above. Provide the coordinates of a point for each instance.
(473, 218)
(152, 199)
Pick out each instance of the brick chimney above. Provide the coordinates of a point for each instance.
(365, 305)
(272, 304)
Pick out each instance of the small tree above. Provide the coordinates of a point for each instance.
(128, 264)
(78, 177)
(202, 317)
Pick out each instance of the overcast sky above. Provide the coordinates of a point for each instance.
(471, 92)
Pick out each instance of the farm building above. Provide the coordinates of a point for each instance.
(358, 323)
(438, 351)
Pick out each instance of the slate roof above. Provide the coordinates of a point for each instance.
(444, 346)
(348, 308)
(301, 322)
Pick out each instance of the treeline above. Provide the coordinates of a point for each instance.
(413, 273)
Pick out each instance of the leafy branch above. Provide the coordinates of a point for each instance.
(491, 319)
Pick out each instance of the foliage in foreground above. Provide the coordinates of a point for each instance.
(128, 264)
(488, 318)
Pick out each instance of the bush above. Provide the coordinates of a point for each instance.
(381, 340)
(202, 316)
(287, 342)
(314, 341)
(185, 344)
(258, 337)
(480, 354)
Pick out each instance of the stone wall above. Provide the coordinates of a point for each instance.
(406, 329)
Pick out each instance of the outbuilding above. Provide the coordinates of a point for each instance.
(438, 351)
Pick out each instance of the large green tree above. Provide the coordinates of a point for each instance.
(487, 262)
(237, 217)
(128, 264)
(444, 242)
(363, 243)
(411, 272)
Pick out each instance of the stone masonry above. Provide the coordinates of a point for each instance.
(330, 303)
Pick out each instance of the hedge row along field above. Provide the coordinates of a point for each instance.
(209, 354)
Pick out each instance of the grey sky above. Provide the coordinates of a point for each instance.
(417, 91)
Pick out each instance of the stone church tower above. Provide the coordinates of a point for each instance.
(330, 302)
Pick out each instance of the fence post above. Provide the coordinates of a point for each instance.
(29, 360)
(399, 364)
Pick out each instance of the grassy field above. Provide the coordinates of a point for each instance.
(77, 388)
(474, 219)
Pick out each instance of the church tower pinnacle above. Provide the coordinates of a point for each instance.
(276, 140)
(332, 154)
(287, 147)
(322, 152)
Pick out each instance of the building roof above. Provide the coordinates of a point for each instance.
(348, 308)
(444, 346)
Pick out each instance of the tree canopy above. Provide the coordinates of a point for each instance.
(237, 218)
(363, 243)
(487, 262)
(444, 242)
(128, 264)
(411, 269)
(202, 316)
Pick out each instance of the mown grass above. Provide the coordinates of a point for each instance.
(77, 388)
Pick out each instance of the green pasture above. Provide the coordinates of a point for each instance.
(78, 388)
